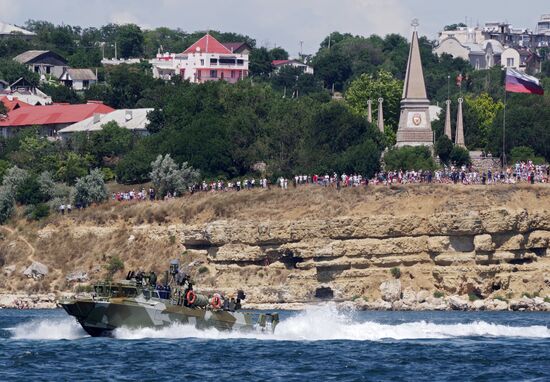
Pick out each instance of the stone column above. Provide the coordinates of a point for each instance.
(448, 132)
(459, 139)
(369, 112)
(381, 115)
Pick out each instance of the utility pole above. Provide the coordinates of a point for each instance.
(301, 49)
(116, 55)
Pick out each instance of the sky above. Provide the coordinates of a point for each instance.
(283, 23)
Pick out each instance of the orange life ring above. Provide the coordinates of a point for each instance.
(191, 297)
(216, 301)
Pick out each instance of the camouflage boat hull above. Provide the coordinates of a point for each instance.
(101, 317)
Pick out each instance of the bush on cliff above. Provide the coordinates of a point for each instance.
(409, 158)
(7, 204)
(460, 156)
(90, 189)
(168, 177)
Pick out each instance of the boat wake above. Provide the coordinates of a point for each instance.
(314, 324)
(50, 329)
(326, 323)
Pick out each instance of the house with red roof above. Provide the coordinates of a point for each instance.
(205, 60)
(278, 64)
(12, 103)
(49, 119)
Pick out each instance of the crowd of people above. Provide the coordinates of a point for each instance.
(521, 172)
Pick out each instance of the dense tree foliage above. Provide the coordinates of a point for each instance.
(283, 118)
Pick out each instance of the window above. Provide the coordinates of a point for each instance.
(213, 74)
(240, 62)
(222, 75)
(199, 74)
(213, 61)
(85, 83)
(509, 62)
(48, 69)
(202, 61)
(37, 69)
(232, 74)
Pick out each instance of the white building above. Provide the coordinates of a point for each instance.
(205, 60)
(278, 64)
(78, 79)
(26, 92)
(9, 30)
(132, 119)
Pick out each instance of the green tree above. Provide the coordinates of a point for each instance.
(443, 148)
(134, 167)
(260, 62)
(90, 189)
(130, 41)
(385, 86)
(524, 154)
(74, 166)
(460, 156)
(168, 177)
(409, 158)
(479, 115)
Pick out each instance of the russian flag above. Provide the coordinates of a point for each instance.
(518, 82)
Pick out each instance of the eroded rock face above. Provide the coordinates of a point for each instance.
(36, 270)
(493, 252)
(391, 290)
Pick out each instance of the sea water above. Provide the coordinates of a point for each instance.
(318, 344)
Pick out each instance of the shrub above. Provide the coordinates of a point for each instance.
(473, 297)
(30, 192)
(547, 299)
(115, 264)
(460, 156)
(7, 204)
(439, 294)
(37, 212)
(500, 298)
(203, 269)
(108, 174)
(13, 178)
(524, 154)
(409, 158)
(167, 176)
(134, 167)
(47, 185)
(526, 294)
(396, 272)
(90, 189)
(443, 148)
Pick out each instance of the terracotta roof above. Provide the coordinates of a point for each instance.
(53, 114)
(207, 44)
(13, 104)
(280, 62)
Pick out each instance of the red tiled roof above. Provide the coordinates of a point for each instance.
(208, 44)
(53, 114)
(13, 104)
(280, 62)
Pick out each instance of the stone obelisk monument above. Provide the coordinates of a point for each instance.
(415, 127)
(380, 121)
(448, 131)
(459, 139)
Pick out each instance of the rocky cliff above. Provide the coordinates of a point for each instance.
(500, 251)
(382, 248)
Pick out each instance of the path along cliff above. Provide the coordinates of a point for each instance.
(397, 247)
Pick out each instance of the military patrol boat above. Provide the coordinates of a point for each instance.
(138, 302)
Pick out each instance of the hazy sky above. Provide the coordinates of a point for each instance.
(279, 22)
